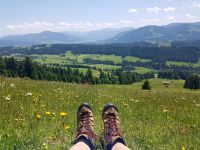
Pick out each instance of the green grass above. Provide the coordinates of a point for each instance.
(144, 122)
(142, 70)
(113, 58)
(169, 63)
(47, 59)
(135, 59)
(79, 58)
(104, 66)
(84, 70)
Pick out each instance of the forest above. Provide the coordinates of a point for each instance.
(10, 67)
(175, 52)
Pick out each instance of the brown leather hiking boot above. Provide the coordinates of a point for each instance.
(85, 132)
(112, 133)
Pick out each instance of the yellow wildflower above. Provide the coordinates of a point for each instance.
(63, 114)
(183, 148)
(67, 127)
(38, 117)
(45, 146)
(48, 113)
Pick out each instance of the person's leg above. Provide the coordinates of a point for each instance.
(85, 135)
(113, 139)
(80, 145)
(120, 146)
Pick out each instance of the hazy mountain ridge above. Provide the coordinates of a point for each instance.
(98, 35)
(160, 34)
(69, 37)
(170, 33)
(45, 37)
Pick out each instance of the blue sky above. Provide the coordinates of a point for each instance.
(26, 16)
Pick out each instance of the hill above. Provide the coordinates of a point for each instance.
(163, 118)
(68, 37)
(46, 37)
(160, 34)
(175, 32)
(97, 35)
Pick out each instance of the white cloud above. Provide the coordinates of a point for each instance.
(168, 9)
(196, 5)
(154, 9)
(189, 16)
(34, 27)
(74, 26)
(153, 20)
(170, 18)
(126, 21)
(106, 25)
(133, 10)
(27, 26)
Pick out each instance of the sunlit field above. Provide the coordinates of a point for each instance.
(42, 115)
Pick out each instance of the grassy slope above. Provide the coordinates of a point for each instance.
(69, 57)
(144, 123)
(135, 59)
(183, 64)
(143, 70)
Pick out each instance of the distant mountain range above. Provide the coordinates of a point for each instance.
(153, 34)
(46, 37)
(160, 34)
(70, 37)
(98, 35)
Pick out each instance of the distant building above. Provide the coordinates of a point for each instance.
(166, 83)
(156, 76)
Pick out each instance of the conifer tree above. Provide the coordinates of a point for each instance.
(146, 85)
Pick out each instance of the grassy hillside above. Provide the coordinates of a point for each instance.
(169, 63)
(163, 118)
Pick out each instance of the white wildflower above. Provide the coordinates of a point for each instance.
(7, 97)
(29, 94)
(198, 105)
(12, 85)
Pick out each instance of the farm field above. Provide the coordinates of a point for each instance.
(163, 118)
(183, 64)
(71, 59)
(135, 59)
(142, 70)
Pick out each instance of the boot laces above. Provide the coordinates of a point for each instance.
(85, 125)
(112, 124)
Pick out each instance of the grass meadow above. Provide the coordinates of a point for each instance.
(32, 114)
(169, 63)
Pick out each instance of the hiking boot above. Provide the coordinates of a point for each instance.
(112, 133)
(85, 132)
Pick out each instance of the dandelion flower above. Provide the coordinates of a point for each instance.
(63, 114)
(38, 117)
(67, 127)
(183, 148)
(48, 113)
(45, 146)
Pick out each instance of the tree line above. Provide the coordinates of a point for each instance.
(178, 52)
(10, 67)
(192, 82)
